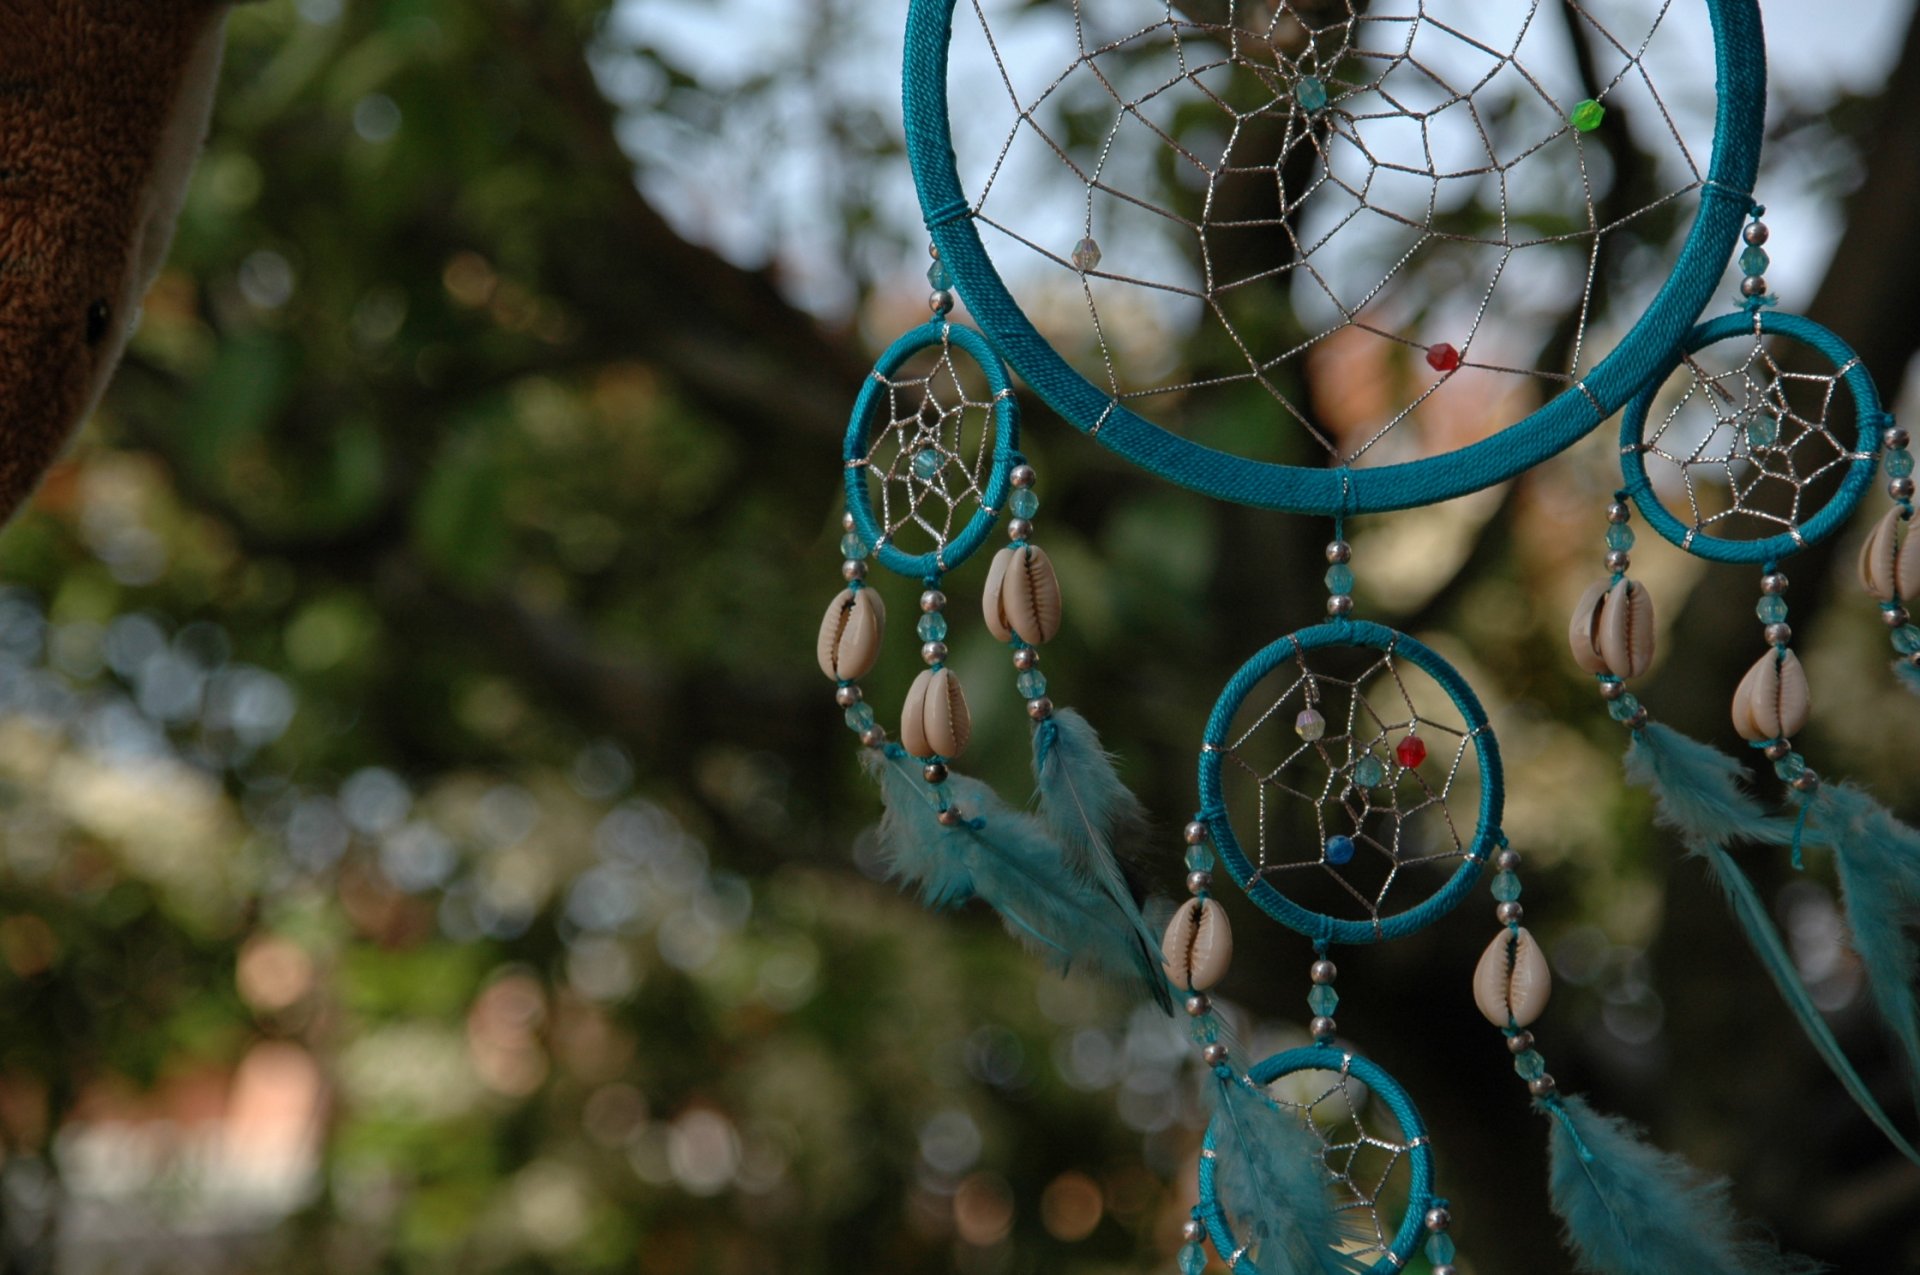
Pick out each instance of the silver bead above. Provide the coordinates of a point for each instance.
(1339, 551)
(941, 302)
(1018, 528)
(1025, 658)
(1612, 690)
(1894, 617)
(1340, 604)
(1438, 1219)
(1199, 882)
(1778, 634)
(1213, 1055)
(1777, 749)
(847, 696)
(1519, 1043)
(1773, 582)
(1191, 1230)
(846, 521)
(951, 817)
(1755, 233)
(934, 772)
(1446, 1268)
(1806, 781)
(1753, 286)
(1322, 1028)
(1509, 913)
(933, 652)
(1638, 719)
(1619, 511)
(1022, 476)
(1198, 1005)
(1618, 560)
(853, 569)
(1541, 1086)
(932, 600)
(1900, 488)
(1040, 709)
(1895, 436)
(874, 736)
(1323, 971)
(1507, 860)
(1194, 833)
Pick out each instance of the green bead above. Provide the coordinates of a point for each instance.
(1790, 767)
(1753, 261)
(1199, 859)
(1440, 1248)
(926, 463)
(1772, 609)
(852, 546)
(1031, 684)
(1311, 94)
(1024, 503)
(1900, 464)
(1339, 578)
(1906, 639)
(1368, 771)
(1620, 536)
(932, 627)
(1506, 887)
(1323, 1000)
(1586, 116)
(1623, 708)
(1530, 1065)
(860, 718)
(939, 276)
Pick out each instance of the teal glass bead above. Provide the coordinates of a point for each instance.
(1323, 1000)
(1506, 887)
(1206, 1028)
(1790, 767)
(852, 546)
(860, 718)
(1440, 1248)
(1754, 260)
(939, 276)
(1024, 503)
(926, 463)
(1530, 1065)
(1199, 859)
(1906, 639)
(1339, 578)
(1771, 609)
(1193, 1259)
(1623, 708)
(932, 627)
(1368, 771)
(1031, 683)
(1900, 464)
(1620, 536)
(1311, 94)
(1763, 431)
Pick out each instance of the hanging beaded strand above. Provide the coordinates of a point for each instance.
(1890, 558)
(1021, 601)
(1612, 629)
(1773, 700)
(850, 635)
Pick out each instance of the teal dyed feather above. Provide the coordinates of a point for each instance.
(1274, 1186)
(1698, 788)
(1628, 1208)
(1093, 815)
(919, 850)
(1907, 674)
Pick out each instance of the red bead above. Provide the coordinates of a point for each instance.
(1442, 357)
(1411, 751)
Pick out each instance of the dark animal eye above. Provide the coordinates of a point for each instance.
(98, 318)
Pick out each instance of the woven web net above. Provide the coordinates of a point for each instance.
(1329, 219)
(1354, 806)
(1365, 1153)
(929, 460)
(1746, 442)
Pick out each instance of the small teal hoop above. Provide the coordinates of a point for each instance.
(1413, 1131)
(1832, 516)
(1315, 925)
(1006, 450)
(1741, 77)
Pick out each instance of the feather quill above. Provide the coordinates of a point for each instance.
(1093, 815)
(1273, 1183)
(1628, 1208)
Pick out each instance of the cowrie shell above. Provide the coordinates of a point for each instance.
(1583, 634)
(992, 604)
(850, 634)
(1890, 560)
(1198, 946)
(1743, 704)
(935, 722)
(1626, 629)
(1778, 698)
(1030, 596)
(1511, 983)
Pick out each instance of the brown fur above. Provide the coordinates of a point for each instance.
(87, 88)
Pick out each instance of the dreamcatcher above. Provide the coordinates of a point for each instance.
(1388, 233)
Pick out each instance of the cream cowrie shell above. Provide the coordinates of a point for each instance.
(850, 634)
(1779, 697)
(1583, 633)
(992, 604)
(1743, 721)
(1511, 983)
(1198, 946)
(1030, 595)
(935, 722)
(1890, 561)
(1626, 629)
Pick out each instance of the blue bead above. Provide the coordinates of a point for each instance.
(852, 546)
(1193, 1259)
(1620, 536)
(926, 463)
(932, 627)
(1368, 771)
(1530, 1065)
(1763, 431)
(1199, 858)
(1506, 887)
(1323, 1000)
(1754, 261)
(1771, 609)
(1031, 683)
(1790, 767)
(1339, 849)
(1906, 638)
(860, 718)
(939, 276)
(1339, 578)
(1311, 94)
(1025, 502)
(1900, 464)
(1623, 708)
(1440, 1249)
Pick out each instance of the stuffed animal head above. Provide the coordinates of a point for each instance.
(103, 111)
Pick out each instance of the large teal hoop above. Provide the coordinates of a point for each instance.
(1832, 516)
(1740, 62)
(1006, 450)
(1316, 925)
(1413, 1133)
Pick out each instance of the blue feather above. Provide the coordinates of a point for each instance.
(919, 850)
(1907, 674)
(1698, 788)
(1628, 1208)
(1091, 812)
(1274, 1185)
